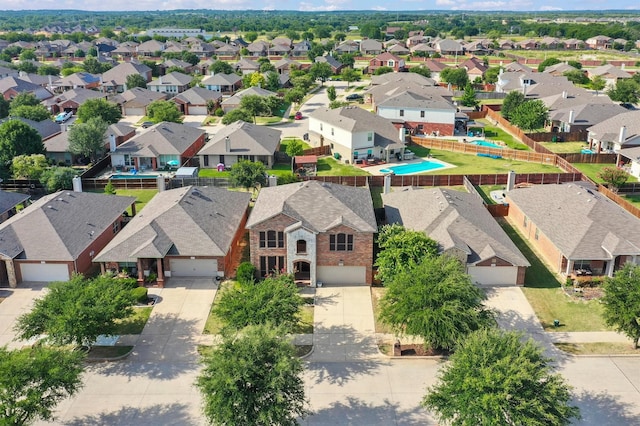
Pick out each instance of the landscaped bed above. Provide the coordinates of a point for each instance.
(598, 348)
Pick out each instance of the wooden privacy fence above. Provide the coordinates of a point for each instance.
(137, 183)
(621, 201)
(589, 158)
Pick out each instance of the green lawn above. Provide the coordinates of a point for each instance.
(564, 147)
(472, 164)
(548, 300)
(376, 196)
(600, 348)
(632, 198)
(278, 169)
(305, 323)
(284, 142)
(498, 134)
(485, 192)
(268, 120)
(328, 166)
(136, 322)
(592, 169)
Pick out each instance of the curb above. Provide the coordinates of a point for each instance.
(308, 354)
(117, 358)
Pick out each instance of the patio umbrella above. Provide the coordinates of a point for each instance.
(173, 162)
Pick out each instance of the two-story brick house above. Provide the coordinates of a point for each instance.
(386, 59)
(320, 232)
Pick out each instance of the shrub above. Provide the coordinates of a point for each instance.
(246, 273)
(151, 278)
(286, 178)
(130, 283)
(219, 112)
(140, 293)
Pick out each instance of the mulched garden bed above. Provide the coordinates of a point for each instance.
(420, 350)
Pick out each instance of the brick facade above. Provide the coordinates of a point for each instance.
(442, 129)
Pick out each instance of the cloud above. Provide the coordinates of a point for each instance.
(378, 8)
(545, 8)
(445, 2)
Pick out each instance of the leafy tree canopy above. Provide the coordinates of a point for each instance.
(455, 76)
(108, 111)
(221, 67)
(88, 138)
(383, 70)
(530, 115)
(248, 174)
(294, 147)
(423, 71)
(24, 98)
(512, 101)
(162, 110)
(29, 166)
(135, 80)
(621, 301)
(626, 91)
(496, 378)
(238, 114)
(58, 178)
(17, 138)
(547, 63)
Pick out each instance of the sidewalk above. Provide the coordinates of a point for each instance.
(587, 337)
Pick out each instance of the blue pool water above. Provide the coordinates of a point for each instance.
(487, 144)
(408, 169)
(586, 151)
(132, 176)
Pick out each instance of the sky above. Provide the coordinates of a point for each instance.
(324, 5)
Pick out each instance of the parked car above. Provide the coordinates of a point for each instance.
(63, 116)
(298, 116)
(146, 124)
(354, 97)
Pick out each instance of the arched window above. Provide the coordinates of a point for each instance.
(301, 246)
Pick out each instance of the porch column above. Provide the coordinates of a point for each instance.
(160, 273)
(610, 265)
(140, 272)
(570, 264)
(154, 163)
(133, 209)
(11, 273)
(136, 164)
(103, 270)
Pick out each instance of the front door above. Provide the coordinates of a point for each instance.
(302, 270)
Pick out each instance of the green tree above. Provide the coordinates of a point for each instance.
(423, 71)
(88, 138)
(255, 105)
(77, 311)
(337, 104)
(350, 75)
(58, 178)
(274, 300)
(190, 57)
(383, 70)
(598, 83)
(108, 111)
(294, 147)
(135, 80)
(272, 82)
(331, 93)
(237, 114)
(48, 70)
(253, 378)
(347, 59)
(29, 166)
(35, 113)
(321, 71)
(162, 110)
(530, 115)
(24, 98)
(577, 77)
(456, 76)
(4, 107)
(251, 36)
(93, 66)
(576, 64)
(621, 301)
(27, 55)
(547, 63)
(17, 138)
(246, 273)
(109, 188)
(34, 380)
(491, 75)
(613, 177)
(436, 300)
(494, 378)
(302, 82)
(248, 174)
(626, 91)
(469, 96)
(512, 101)
(294, 96)
(400, 248)
(221, 67)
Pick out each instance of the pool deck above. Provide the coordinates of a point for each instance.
(376, 170)
(155, 173)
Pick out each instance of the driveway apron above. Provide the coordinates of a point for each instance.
(17, 301)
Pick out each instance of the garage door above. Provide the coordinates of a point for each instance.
(44, 272)
(494, 275)
(194, 267)
(198, 110)
(342, 275)
(134, 111)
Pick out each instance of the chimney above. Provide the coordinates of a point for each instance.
(622, 66)
(112, 143)
(511, 180)
(160, 80)
(77, 184)
(387, 184)
(227, 144)
(623, 134)
(564, 94)
(524, 90)
(571, 116)
(160, 183)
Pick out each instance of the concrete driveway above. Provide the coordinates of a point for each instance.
(17, 301)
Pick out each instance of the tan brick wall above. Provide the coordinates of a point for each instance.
(362, 254)
(278, 223)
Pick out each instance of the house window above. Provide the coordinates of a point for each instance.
(537, 234)
(369, 137)
(206, 160)
(401, 113)
(116, 226)
(525, 222)
(332, 131)
(271, 264)
(341, 242)
(301, 246)
(271, 239)
(421, 114)
(320, 126)
(128, 160)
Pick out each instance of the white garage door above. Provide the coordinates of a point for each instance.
(44, 272)
(494, 275)
(134, 111)
(194, 267)
(198, 110)
(351, 275)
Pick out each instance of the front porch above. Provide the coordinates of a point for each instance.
(582, 269)
(146, 271)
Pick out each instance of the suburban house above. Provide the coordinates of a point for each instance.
(82, 80)
(301, 49)
(618, 132)
(347, 46)
(9, 201)
(475, 68)
(246, 66)
(587, 234)
(609, 73)
(241, 141)
(631, 160)
(11, 86)
(421, 49)
(46, 128)
(285, 65)
(356, 134)
(370, 47)
(197, 101)
(448, 47)
(135, 101)
(75, 226)
(227, 84)
(150, 48)
(560, 69)
(234, 101)
(435, 67)
(581, 117)
(172, 83)
(405, 77)
(336, 66)
(227, 50)
(420, 114)
(161, 145)
(259, 48)
(599, 42)
(71, 100)
(186, 67)
(386, 59)
(381, 93)
(463, 228)
(184, 232)
(115, 79)
(320, 232)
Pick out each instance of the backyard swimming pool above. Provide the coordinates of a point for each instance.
(486, 144)
(408, 169)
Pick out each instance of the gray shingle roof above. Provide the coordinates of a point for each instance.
(254, 90)
(587, 114)
(318, 206)
(138, 96)
(581, 223)
(221, 80)
(408, 77)
(9, 200)
(413, 100)
(454, 219)
(188, 221)
(244, 139)
(609, 130)
(67, 221)
(119, 73)
(173, 78)
(198, 96)
(162, 138)
(45, 128)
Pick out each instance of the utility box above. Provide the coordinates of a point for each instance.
(187, 172)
